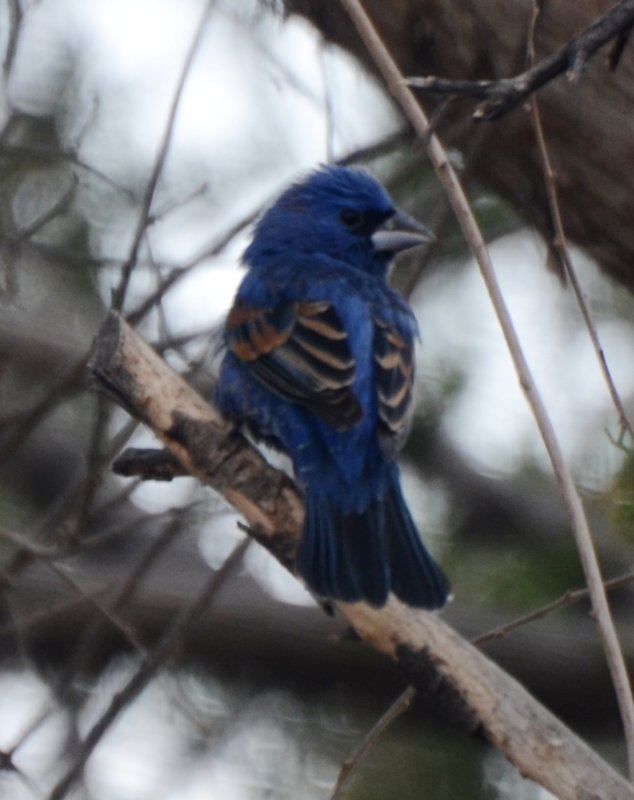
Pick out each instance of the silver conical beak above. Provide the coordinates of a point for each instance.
(400, 232)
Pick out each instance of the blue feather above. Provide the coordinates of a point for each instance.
(319, 362)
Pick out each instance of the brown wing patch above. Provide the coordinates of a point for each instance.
(253, 332)
(394, 358)
(300, 351)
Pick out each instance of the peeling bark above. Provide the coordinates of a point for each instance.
(475, 692)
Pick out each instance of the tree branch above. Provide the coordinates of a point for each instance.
(157, 170)
(162, 654)
(560, 244)
(480, 696)
(472, 233)
(500, 96)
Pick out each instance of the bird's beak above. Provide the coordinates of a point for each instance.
(400, 232)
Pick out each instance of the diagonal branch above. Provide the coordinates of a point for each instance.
(480, 696)
(500, 96)
(162, 654)
(574, 506)
(560, 244)
(150, 191)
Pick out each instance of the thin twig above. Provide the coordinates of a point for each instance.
(351, 765)
(404, 700)
(91, 635)
(429, 652)
(614, 655)
(579, 523)
(28, 550)
(106, 614)
(164, 652)
(500, 96)
(373, 150)
(45, 614)
(376, 732)
(148, 198)
(15, 19)
(98, 453)
(59, 205)
(50, 154)
(24, 543)
(444, 216)
(383, 146)
(69, 383)
(49, 556)
(564, 600)
(177, 274)
(561, 246)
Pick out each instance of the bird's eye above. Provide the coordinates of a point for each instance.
(351, 219)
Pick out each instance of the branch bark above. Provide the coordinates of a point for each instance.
(572, 500)
(480, 696)
(500, 96)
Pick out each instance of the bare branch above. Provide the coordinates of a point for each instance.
(162, 654)
(561, 248)
(20, 429)
(503, 95)
(148, 464)
(15, 19)
(564, 600)
(477, 693)
(574, 506)
(614, 655)
(351, 765)
(148, 198)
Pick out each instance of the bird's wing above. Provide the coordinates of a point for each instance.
(394, 358)
(300, 351)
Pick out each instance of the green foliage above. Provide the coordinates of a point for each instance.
(413, 761)
(519, 578)
(621, 500)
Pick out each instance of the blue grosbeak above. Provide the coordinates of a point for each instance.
(320, 364)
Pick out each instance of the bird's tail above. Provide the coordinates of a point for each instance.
(365, 555)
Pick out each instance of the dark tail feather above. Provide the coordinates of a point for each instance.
(365, 556)
(416, 578)
(344, 556)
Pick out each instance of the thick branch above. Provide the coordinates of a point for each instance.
(470, 228)
(482, 697)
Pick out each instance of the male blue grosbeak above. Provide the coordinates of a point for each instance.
(320, 363)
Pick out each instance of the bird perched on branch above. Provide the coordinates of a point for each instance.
(319, 362)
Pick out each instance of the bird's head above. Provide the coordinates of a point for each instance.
(341, 213)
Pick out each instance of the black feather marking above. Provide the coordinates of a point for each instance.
(301, 352)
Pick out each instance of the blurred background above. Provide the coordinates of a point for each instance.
(138, 142)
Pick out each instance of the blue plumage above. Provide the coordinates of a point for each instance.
(320, 363)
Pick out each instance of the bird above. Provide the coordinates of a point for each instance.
(318, 362)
